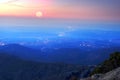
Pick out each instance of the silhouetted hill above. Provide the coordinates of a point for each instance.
(22, 52)
(13, 68)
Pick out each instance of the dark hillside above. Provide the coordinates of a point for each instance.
(13, 68)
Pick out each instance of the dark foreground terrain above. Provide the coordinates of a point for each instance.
(13, 68)
(112, 75)
(16, 63)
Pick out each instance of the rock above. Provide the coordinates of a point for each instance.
(112, 75)
(96, 76)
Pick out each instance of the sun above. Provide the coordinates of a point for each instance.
(39, 14)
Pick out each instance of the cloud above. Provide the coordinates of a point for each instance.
(17, 3)
(11, 1)
(68, 30)
(2, 44)
(61, 34)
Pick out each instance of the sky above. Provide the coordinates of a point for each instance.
(59, 18)
(66, 9)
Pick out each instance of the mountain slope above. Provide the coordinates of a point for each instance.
(112, 75)
(13, 68)
(108, 70)
(109, 64)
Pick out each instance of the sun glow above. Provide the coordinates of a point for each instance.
(39, 14)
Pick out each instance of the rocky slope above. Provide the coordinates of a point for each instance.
(112, 75)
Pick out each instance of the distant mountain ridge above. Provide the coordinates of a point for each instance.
(21, 51)
(80, 56)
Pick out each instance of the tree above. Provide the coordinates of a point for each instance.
(108, 65)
